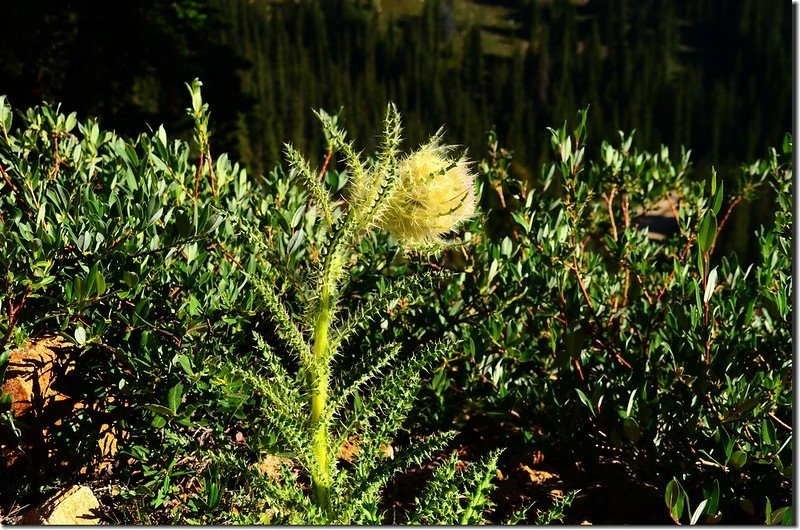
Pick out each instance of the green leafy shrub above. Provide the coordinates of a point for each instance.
(675, 358)
(168, 269)
(102, 241)
(159, 270)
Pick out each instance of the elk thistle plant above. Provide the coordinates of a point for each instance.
(309, 407)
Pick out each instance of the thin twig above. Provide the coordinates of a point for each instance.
(724, 220)
(778, 420)
(8, 180)
(625, 200)
(228, 255)
(210, 161)
(200, 165)
(614, 308)
(627, 286)
(626, 217)
(609, 205)
(581, 284)
(13, 311)
(707, 357)
(728, 212)
(644, 291)
(672, 272)
(328, 157)
(674, 210)
(578, 368)
(57, 162)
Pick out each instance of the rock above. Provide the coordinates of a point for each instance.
(41, 379)
(108, 444)
(71, 506)
(660, 219)
(30, 375)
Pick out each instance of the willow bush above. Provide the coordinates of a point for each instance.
(261, 340)
(656, 350)
(105, 241)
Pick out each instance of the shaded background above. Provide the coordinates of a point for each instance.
(713, 75)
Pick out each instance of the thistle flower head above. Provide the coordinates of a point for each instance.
(434, 195)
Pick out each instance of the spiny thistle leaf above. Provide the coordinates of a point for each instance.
(323, 198)
(370, 476)
(385, 356)
(285, 326)
(390, 400)
(278, 374)
(385, 166)
(443, 501)
(270, 255)
(286, 501)
(399, 288)
(338, 138)
(479, 484)
(284, 411)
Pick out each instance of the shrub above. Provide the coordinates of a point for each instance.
(168, 270)
(159, 271)
(677, 359)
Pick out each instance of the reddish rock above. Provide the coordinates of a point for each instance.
(71, 506)
(30, 375)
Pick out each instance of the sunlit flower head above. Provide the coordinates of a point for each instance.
(434, 195)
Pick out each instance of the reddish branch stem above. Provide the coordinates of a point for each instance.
(581, 284)
(781, 423)
(200, 165)
(325, 164)
(210, 161)
(13, 311)
(609, 205)
(735, 202)
(8, 180)
(672, 273)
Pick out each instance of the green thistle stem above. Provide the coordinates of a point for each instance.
(319, 379)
